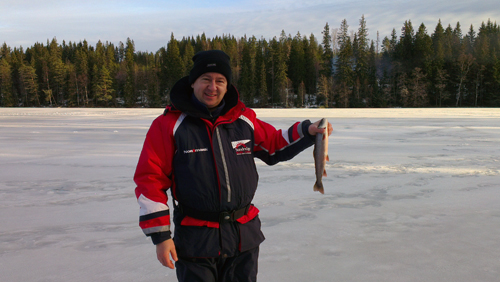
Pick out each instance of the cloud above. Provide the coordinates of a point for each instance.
(150, 22)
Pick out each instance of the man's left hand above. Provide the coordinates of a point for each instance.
(313, 128)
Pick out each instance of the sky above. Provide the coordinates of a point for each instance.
(150, 23)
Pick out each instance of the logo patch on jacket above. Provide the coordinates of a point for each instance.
(190, 151)
(241, 148)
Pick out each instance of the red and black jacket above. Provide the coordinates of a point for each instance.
(208, 162)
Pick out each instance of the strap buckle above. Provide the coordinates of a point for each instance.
(226, 217)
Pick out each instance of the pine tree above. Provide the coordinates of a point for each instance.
(57, 72)
(152, 81)
(261, 74)
(29, 80)
(6, 89)
(173, 63)
(438, 44)
(422, 49)
(296, 62)
(327, 56)
(311, 65)
(373, 96)
(360, 52)
(71, 85)
(344, 66)
(187, 58)
(405, 48)
(130, 95)
(102, 85)
(469, 40)
(246, 83)
(230, 47)
(278, 69)
(102, 82)
(83, 75)
(438, 64)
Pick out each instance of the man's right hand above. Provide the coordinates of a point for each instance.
(164, 250)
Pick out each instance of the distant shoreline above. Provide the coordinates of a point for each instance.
(270, 112)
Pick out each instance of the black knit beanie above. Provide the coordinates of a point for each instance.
(210, 61)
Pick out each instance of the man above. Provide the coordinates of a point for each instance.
(203, 149)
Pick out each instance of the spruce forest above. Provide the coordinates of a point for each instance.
(342, 68)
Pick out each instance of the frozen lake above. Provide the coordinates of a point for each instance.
(411, 195)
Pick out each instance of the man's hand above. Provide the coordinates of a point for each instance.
(164, 250)
(313, 129)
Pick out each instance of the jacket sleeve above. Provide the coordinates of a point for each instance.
(153, 178)
(273, 146)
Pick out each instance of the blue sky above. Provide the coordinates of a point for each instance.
(150, 22)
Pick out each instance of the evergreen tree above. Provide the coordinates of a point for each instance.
(57, 71)
(102, 85)
(311, 65)
(360, 52)
(29, 80)
(187, 58)
(246, 83)
(423, 59)
(344, 66)
(6, 93)
(296, 62)
(405, 48)
(102, 82)
(437, 44)
(83, 75)
(278, 70)
(447, 68)
(130, 94)
(469, 40)
(327, 56)
(438, 60)
(71, 85)
(230, 47)
(362, 48)
(448, 46)
(422, 49)
(173, 63)
(374, 98)
(261, 74)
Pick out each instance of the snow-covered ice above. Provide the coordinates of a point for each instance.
(411, 195)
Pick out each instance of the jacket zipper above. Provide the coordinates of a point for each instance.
(224, 165)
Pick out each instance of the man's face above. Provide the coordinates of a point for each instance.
(210, 88)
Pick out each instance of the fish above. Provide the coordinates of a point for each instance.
(320, 153)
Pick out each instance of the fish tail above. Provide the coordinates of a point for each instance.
(318, 186)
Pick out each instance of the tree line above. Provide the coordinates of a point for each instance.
(346, 69)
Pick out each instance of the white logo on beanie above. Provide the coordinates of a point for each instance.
(211, 65)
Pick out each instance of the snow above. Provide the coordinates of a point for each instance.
(411, 195)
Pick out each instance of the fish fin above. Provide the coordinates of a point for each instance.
(324, 172)
(319, 187)
(327, 158)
